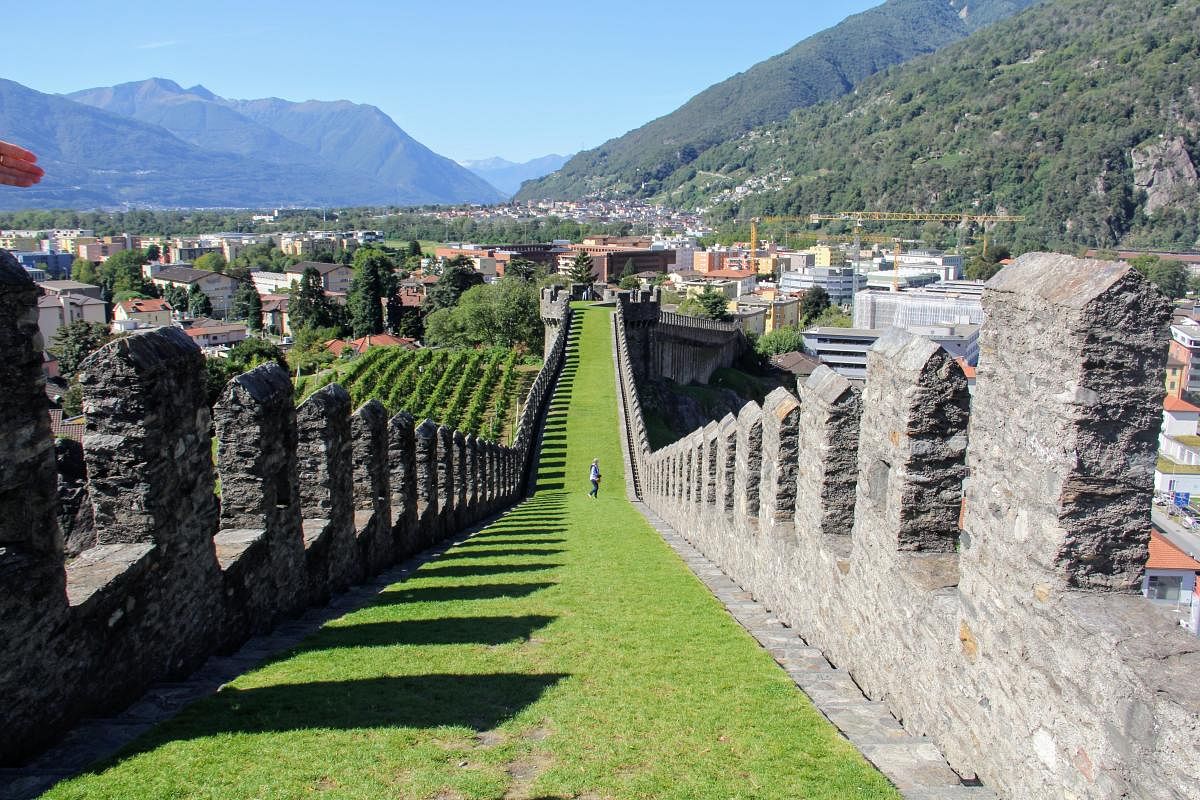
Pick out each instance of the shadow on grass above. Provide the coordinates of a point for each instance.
(500, 552)
(479, 702)
(443, 630)
(439, 594)
(512, 537)
(456, 571)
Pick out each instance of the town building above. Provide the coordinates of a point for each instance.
(55, 264)
(609, 262)
(268, 283)
(358, 346)
(334, 277)
(57, 310)
(779, 311)
(72, 287)
(1178, 466)
(275, 314)
(217, 287)
(1170, 576)
(207, 336)
(144, 313)
(845, 349)
(839, 282)
(915, 308)
(1185, 349)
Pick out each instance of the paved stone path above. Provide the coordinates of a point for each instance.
(914, 765)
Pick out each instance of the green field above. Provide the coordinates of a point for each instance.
(563, 652)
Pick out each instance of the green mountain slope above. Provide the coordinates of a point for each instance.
(1082, 114)
(822, 67)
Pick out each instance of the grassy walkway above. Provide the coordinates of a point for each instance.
(564, 652)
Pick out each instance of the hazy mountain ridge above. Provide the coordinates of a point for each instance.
(507, 176)
(822, 67)
(153, 143)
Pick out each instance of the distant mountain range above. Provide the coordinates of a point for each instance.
(822, 67)
(508, 176)
(153, 143)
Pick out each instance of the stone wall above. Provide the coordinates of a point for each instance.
(191, 558)
(1016, 641)
(675, 347)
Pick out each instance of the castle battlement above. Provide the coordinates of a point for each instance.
(191, 557)
(972, 561)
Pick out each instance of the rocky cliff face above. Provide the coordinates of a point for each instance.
(1165, 172)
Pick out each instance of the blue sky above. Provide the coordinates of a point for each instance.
(469, 79)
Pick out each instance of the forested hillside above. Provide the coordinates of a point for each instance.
(1082, 114)
(822, 67)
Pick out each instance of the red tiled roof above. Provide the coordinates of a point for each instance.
(1165, 555)
(338, 346)
(144, 305)
(72, 429)
(1178, 405)
(967, 369)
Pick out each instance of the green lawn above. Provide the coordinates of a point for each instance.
(565, 652)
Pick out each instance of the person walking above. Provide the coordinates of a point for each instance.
(594, 476)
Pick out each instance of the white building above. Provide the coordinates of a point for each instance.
(266, 283)
(915, 308)
(1186, 333)
(839, 282)
(1178, 467)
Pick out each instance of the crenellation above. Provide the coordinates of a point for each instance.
(428, 487)
(780, 442)
(372, 486)
(911, 458)
(1015, 644)
(747, 474)
(826, 479)
(183, 562)
(404, 481)
(325, 474)
(256, 457)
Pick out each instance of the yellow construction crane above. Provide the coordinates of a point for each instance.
(859, 217)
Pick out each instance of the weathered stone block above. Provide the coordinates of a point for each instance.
(425, 438)
(256, 457)
(827, 467)
(325, 467)
(748, 469)
(1067, 411)
(27, 470)
(780, 418)
(912, 446)
(372, 486)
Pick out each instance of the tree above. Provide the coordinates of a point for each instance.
(502, 314)
(714, 303)
(250, 353)
(374, 281)
(1171, 277)
(308, 352)
(522, 269)
(457, 276)
(709, 304)
(247, 305)
(177, 296)
(581, 269)
(780, 340)
(308, 305)
(831, 318)
(198, 304)
(815, 301)
(84, 271)
(212, 262)
(630, 282)
(74, 342)
(629, 271)
(122, 272)
(414, 249)
(153, 253)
